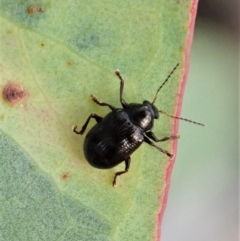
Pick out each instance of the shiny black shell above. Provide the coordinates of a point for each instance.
(112, 140)
(116, 136)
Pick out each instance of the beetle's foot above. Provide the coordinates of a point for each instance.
(93, 97)
(176, 137)
(74, 129)
(172, 156)
(117, 72)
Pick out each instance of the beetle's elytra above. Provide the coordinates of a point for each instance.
(117, 135)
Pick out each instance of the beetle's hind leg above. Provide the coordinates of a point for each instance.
(96, 117)
(102, 103)
(127, 165)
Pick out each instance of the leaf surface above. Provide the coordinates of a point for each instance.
(53, 56)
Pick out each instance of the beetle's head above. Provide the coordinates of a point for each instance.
(143, 115)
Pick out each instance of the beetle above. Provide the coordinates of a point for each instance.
(116, 136)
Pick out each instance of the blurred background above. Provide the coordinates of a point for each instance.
(203, 201)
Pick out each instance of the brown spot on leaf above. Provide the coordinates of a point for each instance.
(42, 44)
(13, 94)
(69, 63)
(65, 176)
(33, 9)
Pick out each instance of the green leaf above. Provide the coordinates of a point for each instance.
(53, 56)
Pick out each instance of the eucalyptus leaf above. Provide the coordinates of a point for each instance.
(53, 56)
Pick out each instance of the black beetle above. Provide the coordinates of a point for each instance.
(117, 135)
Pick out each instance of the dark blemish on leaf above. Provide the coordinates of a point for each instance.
(86, 42)
(33, 9)
(65, 176)
(69, 63)
(42, 44)
(13, 94)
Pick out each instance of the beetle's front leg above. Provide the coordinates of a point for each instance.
(127, 165)
(152, 136)
(123, 102)
(96, 117)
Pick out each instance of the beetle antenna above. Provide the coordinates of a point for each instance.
(176, 117)
(164, 83)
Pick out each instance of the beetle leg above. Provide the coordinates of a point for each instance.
(152, 136)
(127, 165)
(157, 147)
(102, 103)
(123, 102)
(96, 117)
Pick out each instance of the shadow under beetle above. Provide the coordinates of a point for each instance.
(117, 135)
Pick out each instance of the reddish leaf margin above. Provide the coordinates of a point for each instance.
(192, 17)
